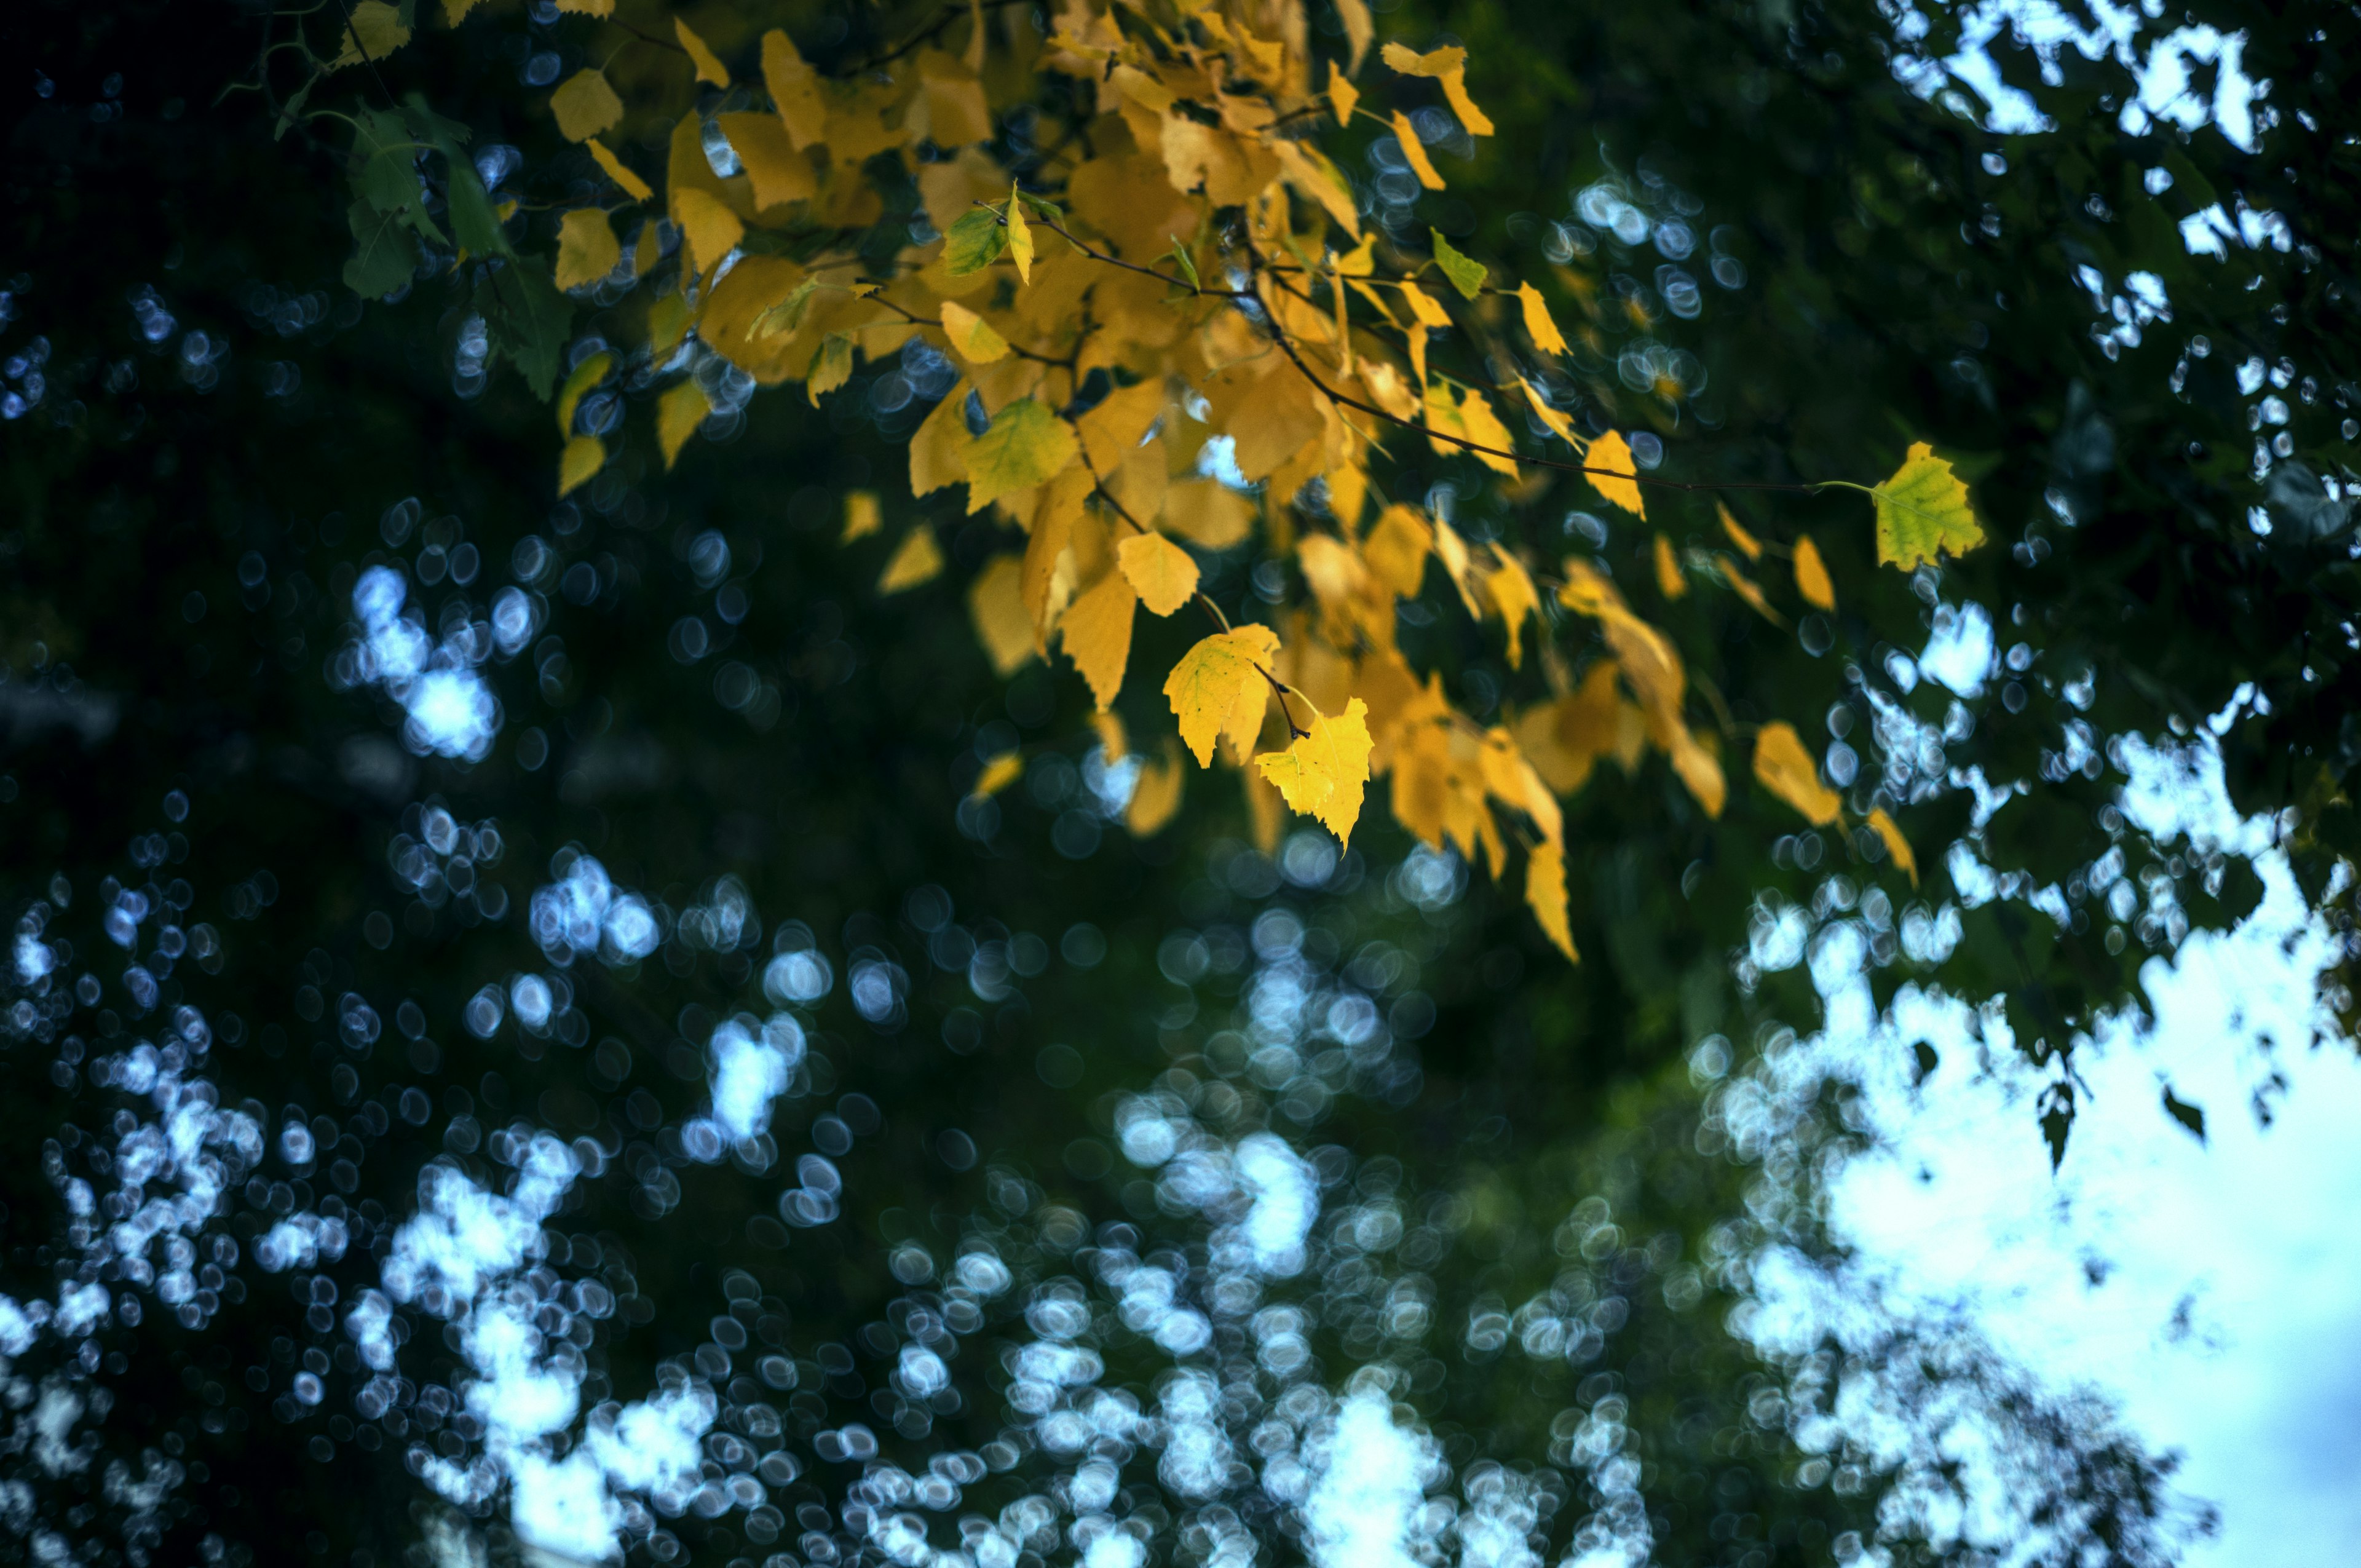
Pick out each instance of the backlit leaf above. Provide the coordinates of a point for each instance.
(1448, 66)
(779, 172)
(1922, 511)
(1360, 29)
(1613, 454)
(1539, 324)
(1095, 632)
(581, 461)
(375, 31)
(917, 559)
(1343, 96)
(584, 106)
(1205, 686)
(1784, 767)
(709, 64)
(794, 88)
(1028, 442)
(710, 228)
(1159, 572)
(1559, 425)
(584, 376)
(1545, 894)
(831, 367)
(1812, 574)
(997, 774)
(1325, 773)
(679, 411)
(862, 516)
(1895, 844)
(1466, 275)
(1747, 543)
(971, 336)
(1668, 570)
(1414, 151)
(1510, 588)
(1397, 549)
(996, 603)
(973, 243)
(1156, 797)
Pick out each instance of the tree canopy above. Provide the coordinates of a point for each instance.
(627, 939)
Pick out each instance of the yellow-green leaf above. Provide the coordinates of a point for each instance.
(582, 458)
(971, 336)
(1812, 574)
(1545, 894)
(709, 64)
(1619, 483)
(1895, 844)
(863, 517)
(1325, 773)
(917, 560)
(1096, 633)
(711, 229)
(375, 31)
(1020, 235)
(1540, 325)
(973, 243)
(1159, 571)
(678, 413)
(998, 774)
(1206, 686)
(637, 189)
(831, 367)
(583, 377)
(1465, 273)
(1922, 511)
(1027, 445)
(586, 248)
(1783, 766)
(584, 106)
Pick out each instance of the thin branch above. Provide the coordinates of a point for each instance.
(1059, 229)
(1067, 363)
(934, 30)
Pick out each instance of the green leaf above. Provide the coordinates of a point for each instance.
(1467, 275)
(973, 243)
(1048, 209)
(1922, 511)
(1027, 445)
(292, 110)
(526, 319)
(1187, 267)
(787, 315)
(384, 257)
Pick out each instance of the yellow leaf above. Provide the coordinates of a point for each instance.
(678, 413)
(1397, 548)
(456, 11)
(375, 31)
(1744, 587)
(939, 446)
(1117, 423)
(831, 367)
(779, 173)
(1746, 543)
(709, 64)
(711, 229)
(1512, 594)
(995, 602)
(1812, 574)
(582, 458)
(1698, 770)
(1559, 425)
(1415, 152)
(971, 336)
(637, 189)
(1060, 508)
(918, 559)
(862, 516)
(1108, 727)
(1157, 796)
(584, 106)
(1452, 551)
(1028, 442)
(1343, 96)
(1359, 29)
(1020, 235)
(1425, 306)
(1895, 844)
(1668, 570)
(1159, 571)
(1325, 773)
(1613, 454)
(586, 248)
(1786, 769)
(1448, 66)
(1206, 686)
(1208, 512)
(1922, 511)
(584, 376)
(1095, 632)
(1483, 426)
(1545, 895)
(794, 88)
(587, 7)
(1539, 325)
(998, 774)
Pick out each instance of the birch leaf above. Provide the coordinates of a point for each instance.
(637, 189)
(709, 64)
(1895, 844)
(1784, 767)
(1465, 274)
(1620, 484)
(1096, 634)
(917, 560)
(1325, 773)
(678, 413)
(1540, 325)
(1922, 511)
(584, 106)
(971, 336)
(862, 516)
(582, 458)
(586, 248)
(1812, 575)
(1026, 443)
(1204, 688)
(1159, 571)
(1545, 895)
(1020, 235)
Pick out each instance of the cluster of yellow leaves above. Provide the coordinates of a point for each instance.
(1107, 330)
